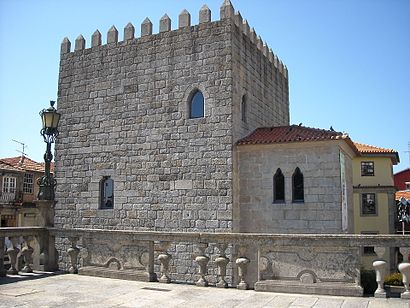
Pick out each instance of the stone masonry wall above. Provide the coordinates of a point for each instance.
(125, 114)
(124, 109)
(321, 211)
(261, 78)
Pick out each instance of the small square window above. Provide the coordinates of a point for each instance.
(369, 204)
(367, 168)
(368, 251)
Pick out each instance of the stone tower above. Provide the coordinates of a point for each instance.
(126, 122)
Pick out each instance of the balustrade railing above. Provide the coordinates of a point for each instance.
(317, 263)
(26, 248)
(7, 197)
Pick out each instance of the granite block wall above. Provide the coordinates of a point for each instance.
(321, 211)
(125, 115)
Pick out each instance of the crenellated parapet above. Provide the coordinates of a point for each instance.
(227, 12)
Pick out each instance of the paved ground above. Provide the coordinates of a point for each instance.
(66, 290)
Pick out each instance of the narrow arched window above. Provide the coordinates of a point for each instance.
(278, 186)
(196, 105)
(106, 193)
(297, 186)
(243, 108)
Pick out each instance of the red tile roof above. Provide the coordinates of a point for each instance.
(403, 193)
(23, 163)
(292, 133)
(366, 149)
(4, 166)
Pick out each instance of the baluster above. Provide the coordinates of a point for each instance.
(404, 269)
(164, 258)
(221, 261)
(202, 260)
(380, 267)
(27, 253)
(242, 263)
(73, 252)
(2, 269)
(13, 251)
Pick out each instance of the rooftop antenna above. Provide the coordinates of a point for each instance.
(23, 146)
(408, 146)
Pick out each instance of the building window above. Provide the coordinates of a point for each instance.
(278, 186)
(106, 193)
(297, 186)
(9, 184)
(369, 204)
(8, 221)
(407, 185)
(367, 168)
(197, 105)
(243, 108)
(368, 250)
(28, 183)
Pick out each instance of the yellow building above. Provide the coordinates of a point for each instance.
(374, 196)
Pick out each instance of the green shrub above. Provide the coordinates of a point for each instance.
(394, 279)
(368, 281)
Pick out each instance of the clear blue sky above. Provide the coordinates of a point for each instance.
(348, 60)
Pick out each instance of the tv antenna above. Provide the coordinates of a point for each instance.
(408, 146)
(23, 147)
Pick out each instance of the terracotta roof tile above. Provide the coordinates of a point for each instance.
(403, 193)
(292, 133)
(5, 166)
(23, 163)
(366, 149)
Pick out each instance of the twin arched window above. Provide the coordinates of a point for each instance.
(297, 186)
(278, 186)
(298, 194)
(197, 105)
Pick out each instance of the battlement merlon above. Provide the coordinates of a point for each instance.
(227, 11)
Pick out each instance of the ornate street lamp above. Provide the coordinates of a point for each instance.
(50, 118)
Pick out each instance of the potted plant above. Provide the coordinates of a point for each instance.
(393, 284)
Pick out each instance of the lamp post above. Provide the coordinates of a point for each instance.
(403, 213)
(50, 118)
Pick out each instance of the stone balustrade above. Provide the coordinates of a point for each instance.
(7, 197)
(27, 248)
(297, 263)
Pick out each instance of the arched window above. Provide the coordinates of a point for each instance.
(243, 108)
(106, 193)
(297, 186)
(196, 105)
(278, 186)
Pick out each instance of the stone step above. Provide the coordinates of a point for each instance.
(320, 288)
(124, 274)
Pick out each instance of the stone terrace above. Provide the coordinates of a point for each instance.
(82, 291)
